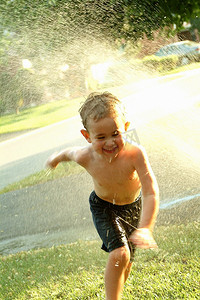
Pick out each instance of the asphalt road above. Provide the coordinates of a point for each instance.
(167, 119)
(26, 154)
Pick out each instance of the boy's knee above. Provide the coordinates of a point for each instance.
(121, 255)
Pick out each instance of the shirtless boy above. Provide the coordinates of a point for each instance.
(121, 173)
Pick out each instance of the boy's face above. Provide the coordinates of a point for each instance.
(105, 135)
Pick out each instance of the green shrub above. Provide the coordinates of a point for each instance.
(160, 64)
(151, 62)
(168, 63)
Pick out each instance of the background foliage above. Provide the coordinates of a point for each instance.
(113, 19)
(74, 32)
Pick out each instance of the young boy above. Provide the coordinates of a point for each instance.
(120, 171)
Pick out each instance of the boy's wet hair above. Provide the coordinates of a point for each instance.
(100, 105)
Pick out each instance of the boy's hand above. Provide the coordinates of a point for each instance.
(52, 161)
(143, 238)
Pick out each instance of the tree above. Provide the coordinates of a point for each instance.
(61, 21)
(79, 32)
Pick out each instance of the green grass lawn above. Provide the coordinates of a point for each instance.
(40, 116)
(76, 271)
(191, 66)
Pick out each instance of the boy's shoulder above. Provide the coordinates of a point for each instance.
(136, 153)
(83, 155)
(134, 149)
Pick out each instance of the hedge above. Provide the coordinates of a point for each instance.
(161, 64)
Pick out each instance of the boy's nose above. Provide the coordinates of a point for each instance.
(110, 142)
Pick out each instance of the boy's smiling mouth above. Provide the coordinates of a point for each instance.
(110, 151)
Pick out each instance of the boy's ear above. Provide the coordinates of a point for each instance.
(127, 124)
(86, 135)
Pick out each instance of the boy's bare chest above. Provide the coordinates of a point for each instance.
(119, 173)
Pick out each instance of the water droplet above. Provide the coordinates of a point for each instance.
(117, 264)
(48, 172)
(114, 198)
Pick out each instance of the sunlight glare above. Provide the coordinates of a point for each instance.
(156, 101)
(99, 71)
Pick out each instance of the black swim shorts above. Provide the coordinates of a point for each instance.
(115, 223)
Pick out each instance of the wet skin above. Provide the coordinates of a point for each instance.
(115, 179)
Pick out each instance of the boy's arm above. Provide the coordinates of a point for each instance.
(142, 237)
(69, 154)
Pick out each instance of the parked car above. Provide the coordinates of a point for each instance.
(187, 51)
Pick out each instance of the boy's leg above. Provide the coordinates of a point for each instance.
(128, 271)
(117, 271)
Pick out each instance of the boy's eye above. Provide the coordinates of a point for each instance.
(116, 133)
(100, 137)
